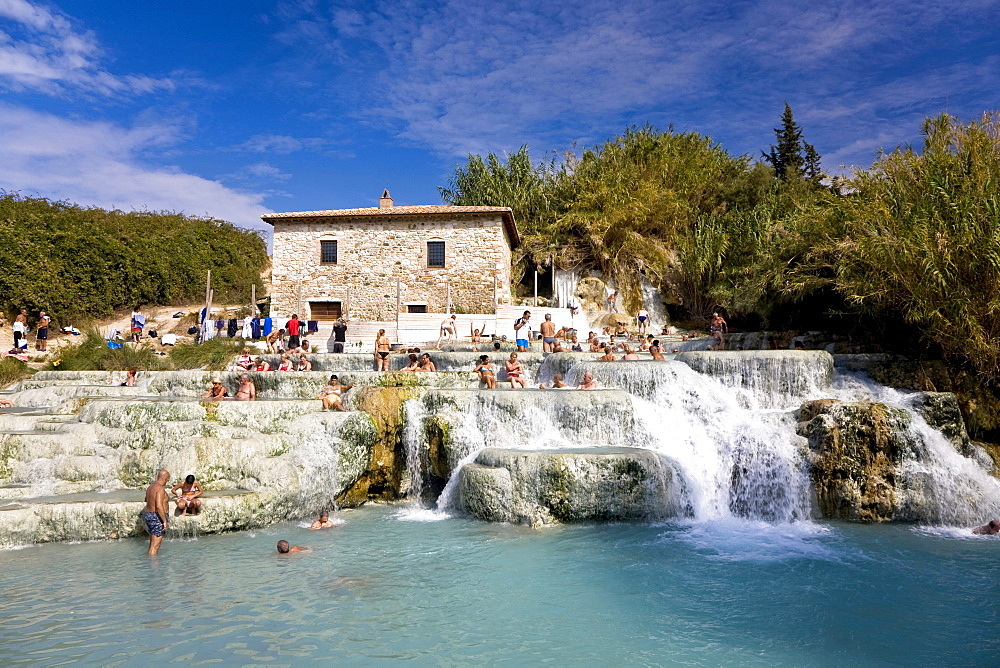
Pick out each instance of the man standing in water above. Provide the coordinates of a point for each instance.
(155, 513)
(718, 329)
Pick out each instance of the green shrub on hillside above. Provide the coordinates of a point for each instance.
(93, 354)
(76, 262)
(12, 370)
(213, 355)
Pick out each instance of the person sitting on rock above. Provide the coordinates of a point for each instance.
(245, 360)
(331, 395)
(588, 382)
(247, 391)
(426, 364)
(487, 374)
(515, 374)
(413, 364)
(656, 350)
(304, 364)
(187, 496)
(608, 356)
(217, 391)
(991, 529)
(629, 354)
(557, 383)
(262, 365)
(286, 363)
(324, 522)
(285, 548)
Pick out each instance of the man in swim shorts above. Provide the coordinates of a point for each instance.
(548, 333)
(42, 332)
(521, 337)
(155, 512)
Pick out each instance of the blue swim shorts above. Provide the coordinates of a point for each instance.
(153, 524)
(522, 343)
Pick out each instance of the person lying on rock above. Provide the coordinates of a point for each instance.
(588, 382)
(5, 404)
(285, 548)
(331, 394)
(187, 494)
(991, 529)
(324, 522)
(217, 391)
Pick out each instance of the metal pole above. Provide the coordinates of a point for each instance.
(555, 287)
(536, 289)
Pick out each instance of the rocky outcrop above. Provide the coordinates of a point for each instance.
(855, 449)
(549, 486)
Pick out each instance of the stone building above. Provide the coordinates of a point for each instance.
(350, 261)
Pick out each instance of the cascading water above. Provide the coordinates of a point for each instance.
(729, 432)
(520, 420)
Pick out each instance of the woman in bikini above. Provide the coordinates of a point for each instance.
(247, 391)
(382, 349)
(515, 373)
(130, 378)
(244, 361)
(331, 394)
(262, 365)
(187, 494)
(304, 364)
(414, 363)
(486, 372)
(286, 363)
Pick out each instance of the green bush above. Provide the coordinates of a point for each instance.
(213, 355)
(78, 263)
(12, 370)
(93, 354)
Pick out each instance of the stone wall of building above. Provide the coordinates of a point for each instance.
(372, 251)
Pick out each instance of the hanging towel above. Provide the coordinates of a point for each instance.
(231, 328)
(268, 326)
(312, 326)
(255, 329)
(247, 331)
(220, 325)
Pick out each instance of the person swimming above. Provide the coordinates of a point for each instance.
(324, 522)
(285, 548)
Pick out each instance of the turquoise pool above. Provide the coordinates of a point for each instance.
(391, 585)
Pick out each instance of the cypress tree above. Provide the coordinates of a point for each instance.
(787, 157)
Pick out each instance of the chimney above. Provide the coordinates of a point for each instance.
(385, 202)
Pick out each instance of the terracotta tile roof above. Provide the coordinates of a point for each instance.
(422, 210)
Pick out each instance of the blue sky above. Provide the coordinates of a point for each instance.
(233, 109)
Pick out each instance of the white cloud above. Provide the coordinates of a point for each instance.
(43, 51)
(98, 163)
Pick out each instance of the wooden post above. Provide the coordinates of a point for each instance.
(397, 308)
(536, 288)
(447, 304)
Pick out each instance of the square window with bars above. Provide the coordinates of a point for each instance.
(328, 251)
(435, 253)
